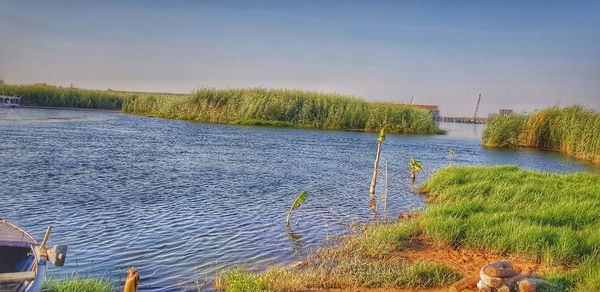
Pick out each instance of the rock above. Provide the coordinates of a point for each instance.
(496, 274)
(512, 282)
(499, 269)
(493, 282)
(465, 283)
(526, 286)
(531, 285)
(483, 287)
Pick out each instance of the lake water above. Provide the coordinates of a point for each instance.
(180, 200)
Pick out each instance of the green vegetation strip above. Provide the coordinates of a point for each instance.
(251, 106)
(570, 130)
(553, 218)
(77, 284)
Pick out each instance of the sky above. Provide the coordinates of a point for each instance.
(522, 55)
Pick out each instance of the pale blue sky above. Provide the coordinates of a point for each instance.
(519, 54)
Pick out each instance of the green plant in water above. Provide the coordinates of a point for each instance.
(297, 203)
(451, 154)
(414, 166)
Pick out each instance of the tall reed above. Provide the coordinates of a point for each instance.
(571, 130)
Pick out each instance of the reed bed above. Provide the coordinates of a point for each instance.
(54, 96)
(285, 107)
(249, 106)
(573, 130)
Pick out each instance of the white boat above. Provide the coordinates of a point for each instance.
(22, 260)
(10, 101)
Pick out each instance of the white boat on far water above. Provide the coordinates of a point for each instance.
(10, 101)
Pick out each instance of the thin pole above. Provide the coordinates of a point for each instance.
(386, 192)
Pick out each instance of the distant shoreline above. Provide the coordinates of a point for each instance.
(69, 108)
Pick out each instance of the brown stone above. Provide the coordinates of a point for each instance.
(465, 283)
(483, 287)
(526, 286)
(493, 282)
(499, 269)
(531, 284)
(512, 282)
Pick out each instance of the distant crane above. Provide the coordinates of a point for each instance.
(476, 109)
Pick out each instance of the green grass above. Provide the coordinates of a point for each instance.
(360, 260)
(554, 218)
(249, 106)
(355, 272)
(572, 130)
(77, 284)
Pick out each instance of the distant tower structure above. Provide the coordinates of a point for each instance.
(411, 99)
(476, 109)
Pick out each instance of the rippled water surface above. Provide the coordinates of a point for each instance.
(179, 200)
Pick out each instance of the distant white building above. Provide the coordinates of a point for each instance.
(505, 112)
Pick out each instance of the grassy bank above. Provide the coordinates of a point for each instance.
(77, 284)
(251, 106)
(571, 130)
(540, 217)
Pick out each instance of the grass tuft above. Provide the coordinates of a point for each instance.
(77, 284)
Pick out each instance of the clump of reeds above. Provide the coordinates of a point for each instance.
(572, 130)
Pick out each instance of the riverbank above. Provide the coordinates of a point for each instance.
(248, 106)
(572, 130)
(546, 223)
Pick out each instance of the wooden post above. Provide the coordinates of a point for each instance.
(376, 167)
